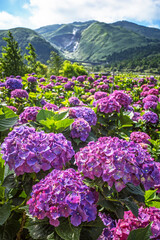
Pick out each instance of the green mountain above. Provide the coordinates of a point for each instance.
(94, 41)
(24, 36)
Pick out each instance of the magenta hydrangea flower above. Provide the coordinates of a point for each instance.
(74, 101)
(42, 79)
(69, 85)
(121, 97)
(62, 193)
(153, 91)
(13, 84)
(140, 137)
(29, 114)
(150, 117)
(118, 162)
(81, 79)
(80, 129)
(130, 222)
(26, 150)
(19, 93)
(83, 112)
(103, 87)
(99, 95)
(51, 106)
(107, 105)
(136, 116)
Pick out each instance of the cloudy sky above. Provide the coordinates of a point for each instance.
(36, 13)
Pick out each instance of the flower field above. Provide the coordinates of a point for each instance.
(80, 157)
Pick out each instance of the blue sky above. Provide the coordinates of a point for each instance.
(36, 13)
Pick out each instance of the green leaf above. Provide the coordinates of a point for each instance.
(7, 123)
(39, 229)
(5, 211)
(150, 194)
(9, 182)
(135, 191)
(49, 123)
(64, 123)
(140, 233)
(131, 205)
(2, 168)
(8, 112)
(44, 115)
(60, 116)
(67, 231)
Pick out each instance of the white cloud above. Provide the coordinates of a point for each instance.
(47, 12)
(8, 21)
(65, 11)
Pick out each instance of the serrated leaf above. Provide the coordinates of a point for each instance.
(141, 233)
(135, 191)
(64, 123)
(9, 181)
(8, 112)
(44, 115)
(150, 194)
(131, 205)
(5, 211)
(67, 231)
(60, 116)
(39, 229)
(7, 123)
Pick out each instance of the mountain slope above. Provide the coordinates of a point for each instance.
(24, 36)
(95, 41)
(148, 32)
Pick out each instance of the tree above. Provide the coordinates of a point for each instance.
(31, 58)
(69, 70)
(55, 63)
(11, 60)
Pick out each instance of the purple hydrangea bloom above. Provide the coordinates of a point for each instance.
(80, 78)
(90, 79)
(26, 150)
(108, 105)
(130, 222)
(103, 87)
(42, 79)
(118, 162)
(151, 98)
(32, 79)
(62, 193)
(150, 104)
(140, 137)
(83, 112)
(74, 101)
(107, 233)
(18, 77)
(136, 116)
(150, 117)
(121, 97)
(80, 129)
(51, 106)
(43, 102)
(19, 93)
(13, 84)
(153, 91)
(69, 85)
(53, 77)
(29, 114)
(99, 95)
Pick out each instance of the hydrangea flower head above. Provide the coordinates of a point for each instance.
(80, 129)
(32, 79)
(74, 101)
(50, 106)
(19, 93)
(108, 105)
(62, 193)
(150, 117)
(99, 95)
(121, 97)
(118, 162)
(29, 114)
(13, 84)
(26, 150)
(140, 137)
(83, 112)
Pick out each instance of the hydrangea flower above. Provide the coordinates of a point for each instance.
(62, 193)
(107, 233)
(150, 104)
(74, 101)
(83, 112)
(153, 91)
(26, 150)
(108, 105)
(42, 79)
(99, 95)
(130, 222)
(121, 97)
(80, 78)
(152, 98)
(29, 114)
(80, 129)
(13, 84)
(103, 87)
(150, 117)
(69, 85)
(32, 79)
(19, 93)
(140, 137)
(50, 106)
(118, 162)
